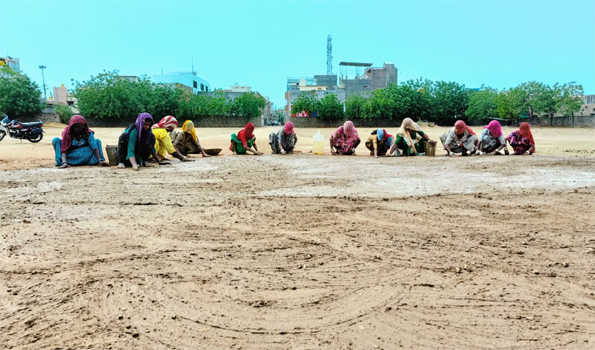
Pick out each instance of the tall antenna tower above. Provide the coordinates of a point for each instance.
(329, 55)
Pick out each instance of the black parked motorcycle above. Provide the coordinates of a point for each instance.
(17, 130)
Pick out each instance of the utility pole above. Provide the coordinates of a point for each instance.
(329, 55)
(42, 67)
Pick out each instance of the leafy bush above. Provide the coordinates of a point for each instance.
(19, 96)
(109, 97)
(64, 112)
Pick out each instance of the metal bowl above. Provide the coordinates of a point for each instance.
(213, 151)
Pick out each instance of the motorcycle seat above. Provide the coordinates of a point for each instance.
(31, 125)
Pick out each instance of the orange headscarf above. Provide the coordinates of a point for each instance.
(460, 128)
(525, 131)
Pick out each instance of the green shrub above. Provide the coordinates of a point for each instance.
(64, 112)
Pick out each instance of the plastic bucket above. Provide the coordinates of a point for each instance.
(318, 145)
(112, 154)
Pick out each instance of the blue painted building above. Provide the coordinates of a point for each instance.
(187, 79)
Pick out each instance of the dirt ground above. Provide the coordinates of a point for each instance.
(300, 251)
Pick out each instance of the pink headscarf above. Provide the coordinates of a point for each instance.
(288, 128)
(460, 128)
(495, 128)
(67, 136)
(346, 134)
(349, 129)
(351, 136)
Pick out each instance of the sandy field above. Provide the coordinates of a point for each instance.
(300, 251)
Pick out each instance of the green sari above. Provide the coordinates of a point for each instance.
(420, 145)
(240, 149)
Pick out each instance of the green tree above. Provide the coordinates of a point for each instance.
(411, 101)
(380, 105)
(109, 97)
(64, 112)
(161, 100)
(421, 85)
(545, 101)
(330, 108)
(569, 99)
(482, 105)
(217, 104)
(247, 105)
(355, 107)
(184, 101)
(537, 98)
(450, 100)
(305, 103)
(510, 103)
(19, 96)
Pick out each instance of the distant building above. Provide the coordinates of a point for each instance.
(11, 62)
(183, 79)
(61, 96)
(362, 80)
(130, 78)
(363, 84)
(588, 107)
(236, 91)
(239, 88)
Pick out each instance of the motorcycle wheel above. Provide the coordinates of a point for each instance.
(2, 134)
(35, 138)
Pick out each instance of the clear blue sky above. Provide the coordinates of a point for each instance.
(260, 43)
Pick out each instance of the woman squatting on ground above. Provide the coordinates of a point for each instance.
(185, 140)
(491, 139)
(78, 145)
(283, 141)
(379, 142)
(460, 139)
(411, 139)
(244, 141)
(521, 140)
(163, 143)
(137, 143)
(345, 139)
